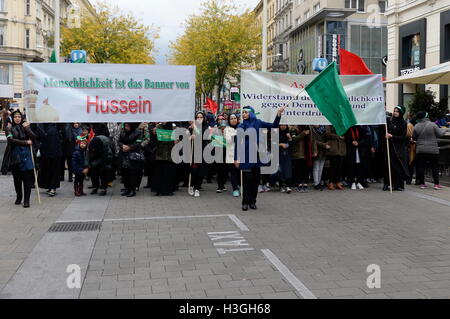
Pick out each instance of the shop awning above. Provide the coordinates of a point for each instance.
(438, 74)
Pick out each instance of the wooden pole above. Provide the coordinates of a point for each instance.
(35, 175)
(389, 160)
(192, 156)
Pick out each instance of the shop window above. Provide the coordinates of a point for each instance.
(411, 50)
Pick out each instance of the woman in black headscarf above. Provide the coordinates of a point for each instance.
(398, 145)
(164, 183)
(131, 158)
(21, 165)
(51, 157)
(198, 170)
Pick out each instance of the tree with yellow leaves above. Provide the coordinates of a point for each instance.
(111, 37)
(219, 42)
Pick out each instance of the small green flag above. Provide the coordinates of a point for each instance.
(164, 135)
(218, 141)
(53, 57)
(328, 94)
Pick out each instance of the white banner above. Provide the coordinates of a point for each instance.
(76, 92)
(266, 92)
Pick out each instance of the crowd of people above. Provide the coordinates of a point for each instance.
(132, 153)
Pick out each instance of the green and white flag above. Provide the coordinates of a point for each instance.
(164, 135)
(218, 141)
(327, 92)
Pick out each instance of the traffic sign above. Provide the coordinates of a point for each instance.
(78, 56)
(319, 64)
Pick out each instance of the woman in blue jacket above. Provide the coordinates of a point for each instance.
(20, 138)
(251, 171)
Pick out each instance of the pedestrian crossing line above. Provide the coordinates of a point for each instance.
(288, 275)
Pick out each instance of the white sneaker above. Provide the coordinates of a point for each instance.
(353, 186)
(288, 190)
(359, 186)
(191, 191)
(197, 193)
(260, 189)
(283, 190)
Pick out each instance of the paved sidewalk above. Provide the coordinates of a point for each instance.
(315, 245)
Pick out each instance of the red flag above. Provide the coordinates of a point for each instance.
(351, 64)
(211, 105)
(91, 134)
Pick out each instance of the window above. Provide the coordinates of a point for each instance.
(38, 10)
(382, 5)
(306, 15)
(27, 7)
(2, 35)
(317, 7)
(355, 4)
(447, 42)
(371, 45)
(27, 38)
(6, 72)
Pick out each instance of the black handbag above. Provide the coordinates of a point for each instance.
(9, 160)
(137, 157)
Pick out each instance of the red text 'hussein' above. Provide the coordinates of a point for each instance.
(139, 106)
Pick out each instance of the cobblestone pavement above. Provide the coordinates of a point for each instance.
(314, 245)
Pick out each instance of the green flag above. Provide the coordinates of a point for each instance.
(53, 57)
(164, 135)
(218, 141)
(328, 94)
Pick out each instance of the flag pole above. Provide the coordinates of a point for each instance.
(389, 159)
(35, 175)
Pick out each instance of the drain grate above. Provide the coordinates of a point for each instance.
(74, 227)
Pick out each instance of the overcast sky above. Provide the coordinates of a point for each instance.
(169, 16)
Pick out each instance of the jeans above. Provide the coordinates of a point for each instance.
(317, 171)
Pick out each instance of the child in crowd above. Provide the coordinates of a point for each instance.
(79, 166)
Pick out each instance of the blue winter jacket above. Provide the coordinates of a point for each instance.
(78, 160)
(252, 122)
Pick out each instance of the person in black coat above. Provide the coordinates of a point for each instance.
(99, 162)
(398, 146)
(21, 165)
(68, 143)
(50, 160)
(130, 157)
(358, 148)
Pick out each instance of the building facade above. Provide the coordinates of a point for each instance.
(321, 27)
(27, 35)
(419, 37)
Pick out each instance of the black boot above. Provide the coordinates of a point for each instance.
(103, 192)
(131, 194)
(94, 191)
(244, 207)
(253, 206)
(125, 193)
(18, 200)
